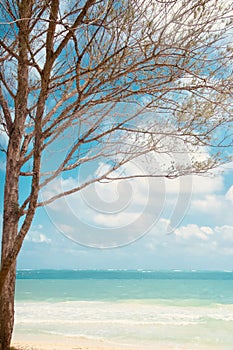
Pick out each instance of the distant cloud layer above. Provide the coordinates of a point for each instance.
(202, 239)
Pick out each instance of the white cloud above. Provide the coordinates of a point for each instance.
(208, 204)
(116, 220)
(204, 239)
(37, 237)
(229, 195)
(195, 183)
(66, 228)
(214, 206)
(207, 184)
(193, 230)
(158, 235)
(134, 206)
(207, 230)
(226, 232)
(3, 139)
(191, 240)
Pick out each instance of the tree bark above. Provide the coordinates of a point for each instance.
(10, 228)
(9, 234)
(7, 309)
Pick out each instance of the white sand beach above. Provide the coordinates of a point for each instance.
(55, 342)
(60, 343)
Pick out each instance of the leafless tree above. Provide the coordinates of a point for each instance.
(125, 78)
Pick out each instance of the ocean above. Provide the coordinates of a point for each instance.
(185, 310)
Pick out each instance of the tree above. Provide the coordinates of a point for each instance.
(128, 78)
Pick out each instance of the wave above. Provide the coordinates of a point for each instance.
(131, 312)
(130, 322)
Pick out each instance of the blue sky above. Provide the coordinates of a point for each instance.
(185, 223)
(199, 209)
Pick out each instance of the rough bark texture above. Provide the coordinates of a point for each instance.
(10, 229)
(7, 309)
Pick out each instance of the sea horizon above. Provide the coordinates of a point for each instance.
(120, 269)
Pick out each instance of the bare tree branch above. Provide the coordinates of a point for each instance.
(6, 113)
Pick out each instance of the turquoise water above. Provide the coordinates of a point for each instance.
(183, 310)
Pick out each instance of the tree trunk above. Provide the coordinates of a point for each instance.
(8, 292)
(7, 309)
(9, 234)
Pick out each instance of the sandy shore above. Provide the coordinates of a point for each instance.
(55, 342)
(60, 343)
(84, 344)
(80, 345)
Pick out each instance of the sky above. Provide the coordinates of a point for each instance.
(181, 224)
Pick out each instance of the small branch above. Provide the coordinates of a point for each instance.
(6, 112)
(3, 150)
(10, 51)
(77, 22)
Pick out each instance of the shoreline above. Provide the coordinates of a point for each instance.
(84, 344)
(57, 342)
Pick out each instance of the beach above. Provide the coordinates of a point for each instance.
(124, 310)
(59, 343)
